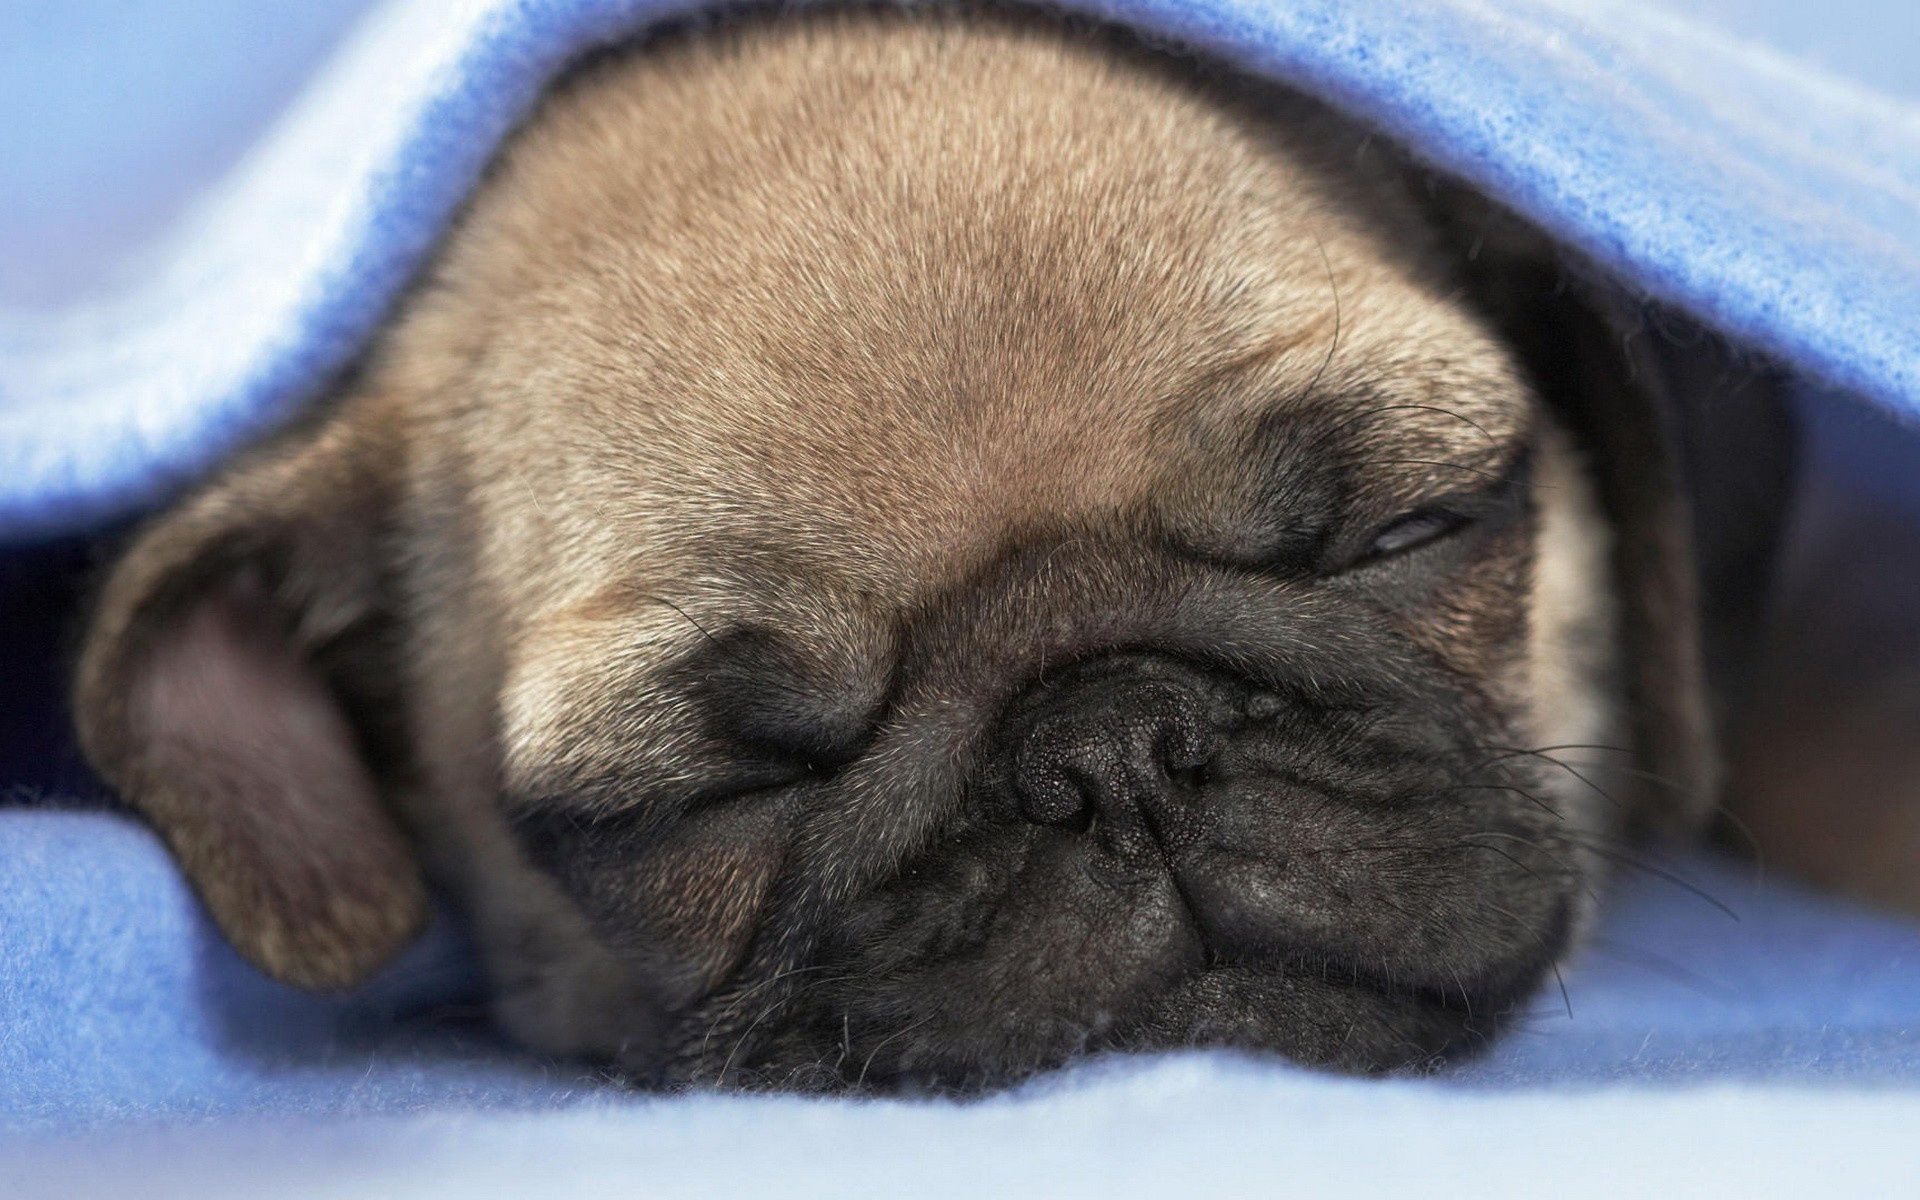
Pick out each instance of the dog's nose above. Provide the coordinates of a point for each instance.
(1114, 750)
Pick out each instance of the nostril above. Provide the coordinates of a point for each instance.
(1193, 778)
(1050, 797)
(1186, 742)
(1072, 810)
(1110, 756)
(1051, 777)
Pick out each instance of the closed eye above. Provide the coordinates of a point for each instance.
(1412, 531)
(780, 717)
(1436, 522)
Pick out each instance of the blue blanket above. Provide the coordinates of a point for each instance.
(1777, 204)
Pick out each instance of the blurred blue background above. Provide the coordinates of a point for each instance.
(100, 148)
(114, 112)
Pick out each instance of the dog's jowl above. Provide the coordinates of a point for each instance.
(901, 549)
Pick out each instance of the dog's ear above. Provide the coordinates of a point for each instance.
(1691, 447)
(212, 694)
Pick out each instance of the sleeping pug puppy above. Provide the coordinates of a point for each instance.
(903, 549)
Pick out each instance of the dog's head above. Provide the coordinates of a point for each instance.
(903, 549)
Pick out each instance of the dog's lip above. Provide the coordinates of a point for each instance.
(1489, 996)
(1470, 1013)
(1470, 1010)
(1487, 986)
(1488, 990)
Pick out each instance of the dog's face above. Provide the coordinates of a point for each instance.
(894, 550)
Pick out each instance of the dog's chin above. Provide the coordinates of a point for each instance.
(1014, 951)
(1321, 1017)
(938, 1039)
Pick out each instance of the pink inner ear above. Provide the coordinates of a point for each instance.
(255, 777)
(229, 685)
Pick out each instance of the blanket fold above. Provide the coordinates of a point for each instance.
(1781, 207)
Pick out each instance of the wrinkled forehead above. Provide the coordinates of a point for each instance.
(910, 453)
(878, 343)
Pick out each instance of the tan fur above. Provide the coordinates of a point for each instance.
(653, 378)
(1575, 693)
(805, 326)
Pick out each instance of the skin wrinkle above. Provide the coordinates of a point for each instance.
(775, 442)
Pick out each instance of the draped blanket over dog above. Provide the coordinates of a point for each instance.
(1774, 204)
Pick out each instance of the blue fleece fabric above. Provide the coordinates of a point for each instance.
(1777, 204)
